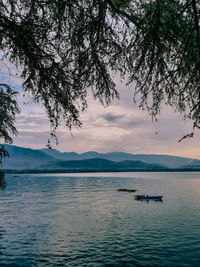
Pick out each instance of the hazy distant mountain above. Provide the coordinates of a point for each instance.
(101, 164)
(26, 158)
(164, 160)
(73, 155)
(59, 155)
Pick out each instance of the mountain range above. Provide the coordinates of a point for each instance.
(164, 160)
(52, 159)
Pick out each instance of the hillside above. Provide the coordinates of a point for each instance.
(24, 158)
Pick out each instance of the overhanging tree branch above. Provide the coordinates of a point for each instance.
(196, 19)
(69, 48)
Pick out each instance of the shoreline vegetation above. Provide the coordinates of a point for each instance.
(38, 171)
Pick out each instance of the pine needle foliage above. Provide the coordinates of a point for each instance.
(68, 48)
(8, 111)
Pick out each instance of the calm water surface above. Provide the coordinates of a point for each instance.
(81, 220)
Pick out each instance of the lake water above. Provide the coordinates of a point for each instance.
(81, 220)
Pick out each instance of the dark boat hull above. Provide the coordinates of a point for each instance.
(143, 197)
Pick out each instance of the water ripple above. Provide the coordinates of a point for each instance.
(84, 221)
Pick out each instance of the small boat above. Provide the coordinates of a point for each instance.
(147, 197)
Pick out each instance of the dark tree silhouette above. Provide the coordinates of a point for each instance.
(8, 111)
(67, 48)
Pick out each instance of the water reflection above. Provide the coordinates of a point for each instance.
(2, 180)
(2, 232)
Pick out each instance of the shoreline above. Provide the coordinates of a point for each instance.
(38, 171)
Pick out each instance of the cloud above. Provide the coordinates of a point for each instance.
(112, 117)
(119, 127)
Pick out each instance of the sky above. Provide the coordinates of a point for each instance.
(120, 127)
